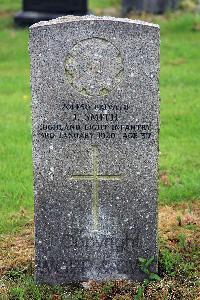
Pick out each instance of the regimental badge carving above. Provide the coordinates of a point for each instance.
(94, 67)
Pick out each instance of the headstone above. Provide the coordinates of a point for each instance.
(42, 10)
(95, 108)
(150, 6)
(126, 7)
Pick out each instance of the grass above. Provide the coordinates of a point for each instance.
(180, 107)
(15, 129)
(180, 126)
(9, 5)
(179, 167)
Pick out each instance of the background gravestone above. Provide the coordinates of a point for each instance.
(151, 6)
(95, 109)
(42, 10)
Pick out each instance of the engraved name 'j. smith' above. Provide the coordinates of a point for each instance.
(98, 117)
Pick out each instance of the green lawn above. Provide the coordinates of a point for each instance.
(180, 110)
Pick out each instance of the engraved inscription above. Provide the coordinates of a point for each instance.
(95, 122)
(94, 67)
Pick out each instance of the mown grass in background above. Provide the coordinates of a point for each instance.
(15, 129)
(10, 5)
(180, 108)
(98, 4)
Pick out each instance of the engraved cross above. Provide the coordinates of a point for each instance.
(95, 178)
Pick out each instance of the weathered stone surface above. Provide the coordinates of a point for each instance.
(95, 109)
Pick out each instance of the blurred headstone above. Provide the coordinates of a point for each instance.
(43, 10)
(198, 6)
(126, 7)
(150, 6)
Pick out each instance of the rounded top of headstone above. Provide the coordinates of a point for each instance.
(71, 18)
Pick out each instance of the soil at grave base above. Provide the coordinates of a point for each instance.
(177, 219)
(17, 250)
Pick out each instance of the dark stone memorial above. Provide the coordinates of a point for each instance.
(43, 10)
(150, 6)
